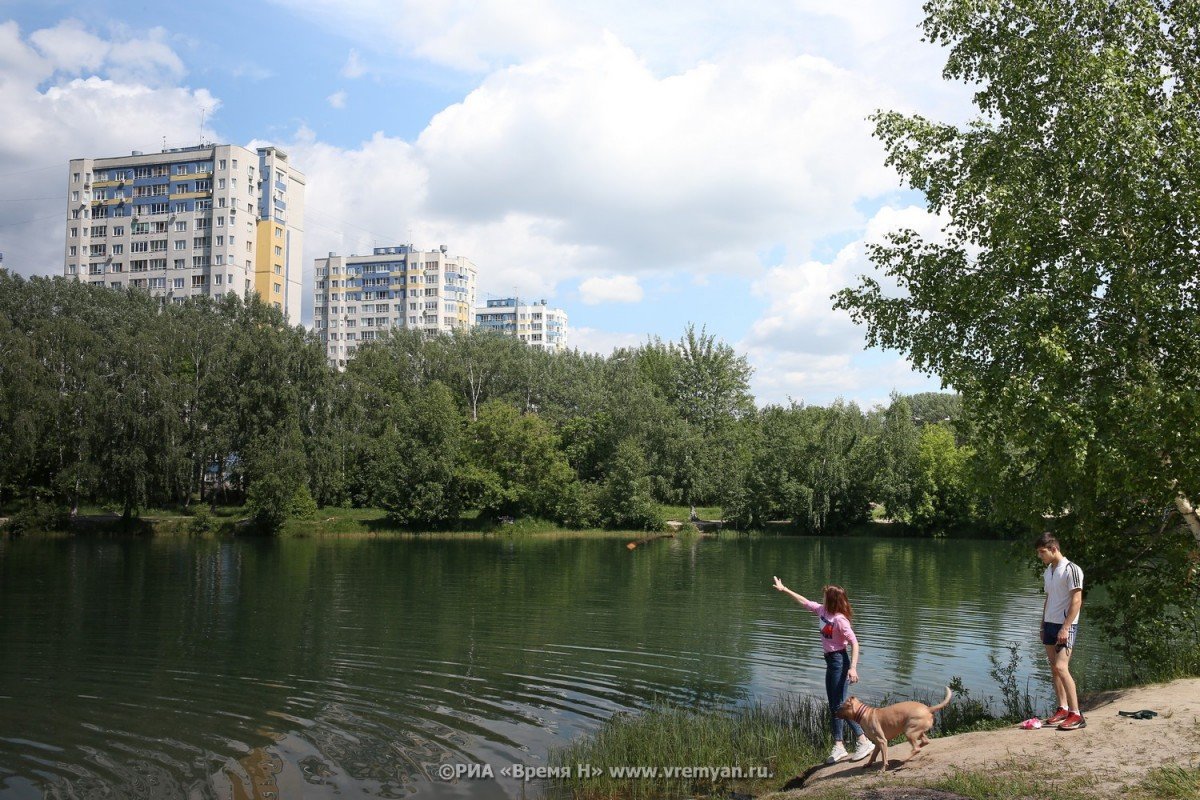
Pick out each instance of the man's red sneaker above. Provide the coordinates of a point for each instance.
(1073, 722)
(1057, 717)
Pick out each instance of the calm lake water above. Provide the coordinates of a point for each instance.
(321, 667)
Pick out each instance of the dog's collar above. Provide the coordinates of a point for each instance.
(862, 712)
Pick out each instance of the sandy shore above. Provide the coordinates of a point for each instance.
(1113, 752)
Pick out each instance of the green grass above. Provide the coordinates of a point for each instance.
(1021, 780)
(784, 738)
(1174, 782)
(684, 513)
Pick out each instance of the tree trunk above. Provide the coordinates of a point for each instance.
(1188, 512)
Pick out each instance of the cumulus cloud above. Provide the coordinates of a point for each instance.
(801, 345)
(615, 289)
(354, 68)
(67, 93)
(700, 169)
(593, 340)
(337, 99)
(465, 36)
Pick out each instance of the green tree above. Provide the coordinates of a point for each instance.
(943, 498)
(1063, 301)
(624, 501)
(517, 466)
(416, 466)
(896, 460)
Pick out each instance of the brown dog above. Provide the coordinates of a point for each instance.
(912, 719)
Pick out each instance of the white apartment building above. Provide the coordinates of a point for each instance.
(187, 222)
(536, 324)
(360, 298)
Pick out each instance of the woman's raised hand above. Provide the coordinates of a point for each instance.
(779, 585)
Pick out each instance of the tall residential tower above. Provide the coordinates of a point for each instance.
(360, 298)
(536, 324)
(189, 221)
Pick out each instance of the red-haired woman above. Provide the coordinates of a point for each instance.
(841, 668)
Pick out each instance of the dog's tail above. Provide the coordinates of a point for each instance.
(944, 703)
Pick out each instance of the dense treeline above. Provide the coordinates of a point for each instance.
(112, 398)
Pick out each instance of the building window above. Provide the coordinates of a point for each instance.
(221, 164)
(118, 249)
(278, 288)
(181, 226)
(198, 281)
(180, 263)
(75, 178)
(139, 247)
(177, 283)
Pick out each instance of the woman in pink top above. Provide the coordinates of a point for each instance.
(841, 668)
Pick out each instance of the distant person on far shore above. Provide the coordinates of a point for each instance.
(841, 669)
(1063, 582)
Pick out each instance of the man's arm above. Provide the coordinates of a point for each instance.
(1072, 612)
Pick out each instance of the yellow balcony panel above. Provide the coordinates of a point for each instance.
(104, 184)
(190, 195)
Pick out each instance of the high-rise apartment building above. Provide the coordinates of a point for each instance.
(279, 263)
(189, 221)
(360, 298)
(536, 324)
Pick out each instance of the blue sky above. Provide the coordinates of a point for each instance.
(641, 167)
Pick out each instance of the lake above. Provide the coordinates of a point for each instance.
(328, 667)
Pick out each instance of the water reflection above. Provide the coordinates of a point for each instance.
(170, 668)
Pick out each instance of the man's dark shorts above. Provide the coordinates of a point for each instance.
(1050, 634)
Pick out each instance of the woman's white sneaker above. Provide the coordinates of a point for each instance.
(837, 754)
(864, 749)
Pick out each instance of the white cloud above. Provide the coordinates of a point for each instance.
(615, 289)
(802, 347)
(592, 340)
(698, 170)
(337, 99)
(800, 316)
(821, 379)
(354, 68)
(63, 99)
(466, 36)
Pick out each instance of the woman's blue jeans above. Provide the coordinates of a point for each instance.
(837, 686)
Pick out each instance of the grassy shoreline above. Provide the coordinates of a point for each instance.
(790, 738)
(331, 521)
(342, 521)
